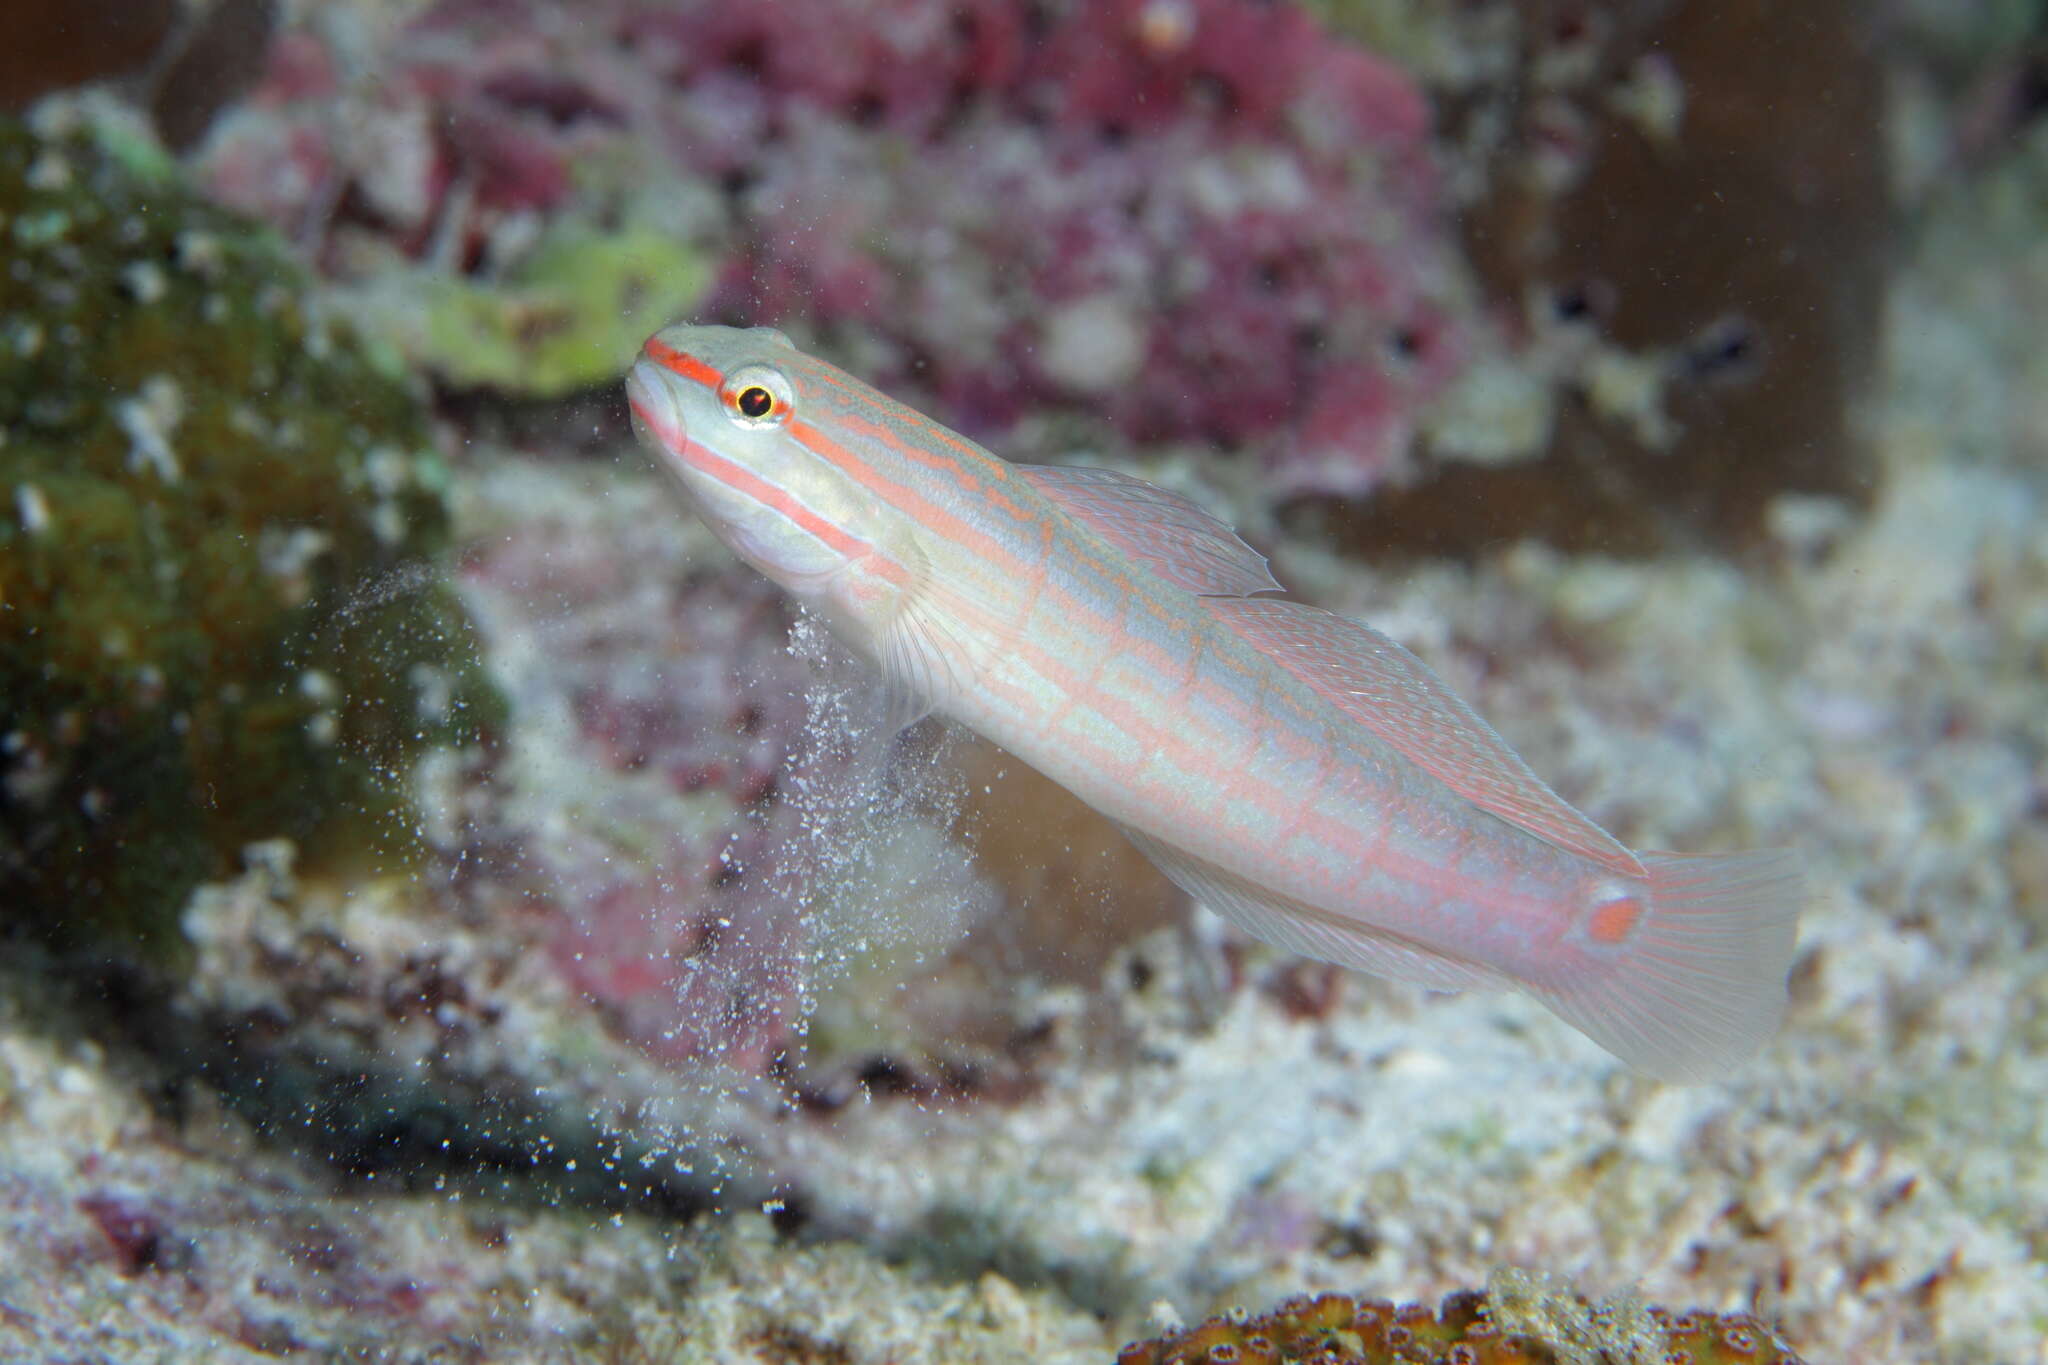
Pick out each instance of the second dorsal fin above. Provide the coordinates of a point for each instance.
(1166, 532)
(1394, 695)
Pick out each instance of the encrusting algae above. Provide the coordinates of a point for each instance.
(213, 533)
(1505, 1326)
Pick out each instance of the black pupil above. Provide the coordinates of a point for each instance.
(756, 401)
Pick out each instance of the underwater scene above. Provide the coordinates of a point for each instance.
(1172, 682)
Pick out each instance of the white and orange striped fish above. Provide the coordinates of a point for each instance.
(1290, 768)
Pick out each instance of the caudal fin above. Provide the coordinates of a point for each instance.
(1701, 984)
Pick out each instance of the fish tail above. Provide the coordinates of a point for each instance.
(1699, 984)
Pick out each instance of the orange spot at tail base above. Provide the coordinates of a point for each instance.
(1612, 921)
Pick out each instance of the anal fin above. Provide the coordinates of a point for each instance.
(1299, 928)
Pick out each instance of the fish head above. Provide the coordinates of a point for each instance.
(736, 417)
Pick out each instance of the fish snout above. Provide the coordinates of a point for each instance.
(657, 416)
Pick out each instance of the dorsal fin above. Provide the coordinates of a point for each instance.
(1165, 531)
(1393, 694)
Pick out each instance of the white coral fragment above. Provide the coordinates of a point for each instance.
(150, 419)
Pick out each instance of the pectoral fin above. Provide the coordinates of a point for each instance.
(929, 640)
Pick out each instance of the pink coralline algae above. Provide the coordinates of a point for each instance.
(1202, 221)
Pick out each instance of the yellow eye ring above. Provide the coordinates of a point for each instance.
(757, 396)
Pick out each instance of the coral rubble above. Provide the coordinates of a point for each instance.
(173, 1236)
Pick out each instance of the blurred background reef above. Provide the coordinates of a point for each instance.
(443, 897)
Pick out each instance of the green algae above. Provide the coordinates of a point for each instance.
(218, 619)
(569, 318)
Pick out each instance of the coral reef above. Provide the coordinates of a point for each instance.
(1102, 224)
(1505, 1326)
(219, 517)
(1114, 212)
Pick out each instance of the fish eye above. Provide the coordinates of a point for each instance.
(757, 396)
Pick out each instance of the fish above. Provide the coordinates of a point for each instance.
(1291, 768)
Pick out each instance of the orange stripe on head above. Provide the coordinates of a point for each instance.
(901, 496)
(682, 364)
(743, 480)
(970, 471)
(834, 377)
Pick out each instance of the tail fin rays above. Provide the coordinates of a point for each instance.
(1700, 986)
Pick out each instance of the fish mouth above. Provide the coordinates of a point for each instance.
(657, 416)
